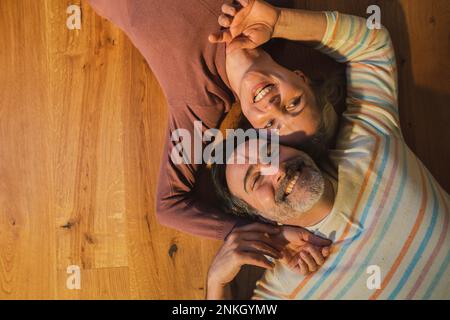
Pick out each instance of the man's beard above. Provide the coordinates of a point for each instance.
(311, 183)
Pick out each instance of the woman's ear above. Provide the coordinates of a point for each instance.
(301, 75)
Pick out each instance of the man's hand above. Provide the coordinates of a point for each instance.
(248, 24)
(301, 250)
(304, 252)
(245, 245)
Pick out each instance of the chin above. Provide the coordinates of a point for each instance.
(304, 199)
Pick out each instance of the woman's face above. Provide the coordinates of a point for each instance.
(273, 97)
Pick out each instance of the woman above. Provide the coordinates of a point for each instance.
(194, 77)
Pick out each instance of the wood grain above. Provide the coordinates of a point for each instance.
(82, 120)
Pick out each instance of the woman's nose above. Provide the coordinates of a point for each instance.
(264, 107)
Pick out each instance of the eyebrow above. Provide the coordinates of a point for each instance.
(249, 172)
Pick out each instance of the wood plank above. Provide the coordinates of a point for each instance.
(82, 123)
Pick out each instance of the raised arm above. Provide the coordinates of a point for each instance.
(368, 53)
(371, 69)
(189, 70)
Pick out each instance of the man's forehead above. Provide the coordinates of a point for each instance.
(254, 151)
(236, 170)
(247, 152)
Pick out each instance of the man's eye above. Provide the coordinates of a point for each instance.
(257, 178)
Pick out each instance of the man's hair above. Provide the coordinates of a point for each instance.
(228, 202)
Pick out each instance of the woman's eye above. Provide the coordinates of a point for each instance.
(269, 124)
(293, 105)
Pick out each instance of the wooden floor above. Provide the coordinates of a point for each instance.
(81, 126)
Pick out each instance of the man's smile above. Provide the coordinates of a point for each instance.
(290, 186)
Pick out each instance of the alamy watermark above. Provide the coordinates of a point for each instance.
(73, 281)
(73, 22)
(261, 147)
(374, 20)
(374, 280)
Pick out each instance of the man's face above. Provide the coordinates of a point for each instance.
(293, 190)
(274, 97)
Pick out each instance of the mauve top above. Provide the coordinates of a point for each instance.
(172, 35)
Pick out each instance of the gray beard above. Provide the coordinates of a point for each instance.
(314, 186)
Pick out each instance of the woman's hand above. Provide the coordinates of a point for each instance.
(248, 24)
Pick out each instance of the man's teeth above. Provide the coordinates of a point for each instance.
(290, 186)
(262, 93)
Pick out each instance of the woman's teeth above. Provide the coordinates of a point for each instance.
(262, 93)
(290, 186)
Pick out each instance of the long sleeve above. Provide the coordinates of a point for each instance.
(191, 72)
(371, 67)
(185, 198)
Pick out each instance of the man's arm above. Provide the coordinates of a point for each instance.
(251, 23)
(368, 53)
(371, 69)
(260, 245)
(300, 25)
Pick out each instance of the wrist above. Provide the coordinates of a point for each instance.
(281, 23)
(216, 290)
(214, 281)
(300, 25)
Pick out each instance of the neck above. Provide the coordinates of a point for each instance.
(320, 211)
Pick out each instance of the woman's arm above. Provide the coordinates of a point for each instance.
(163, 33)
(178, 202)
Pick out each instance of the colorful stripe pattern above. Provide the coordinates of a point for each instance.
(400, 212)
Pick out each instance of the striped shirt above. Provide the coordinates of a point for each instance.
(390, 220)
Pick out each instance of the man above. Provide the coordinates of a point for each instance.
(381, 207)
(173, 35)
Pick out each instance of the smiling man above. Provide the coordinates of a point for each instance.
(373, 197)
(298, 194)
